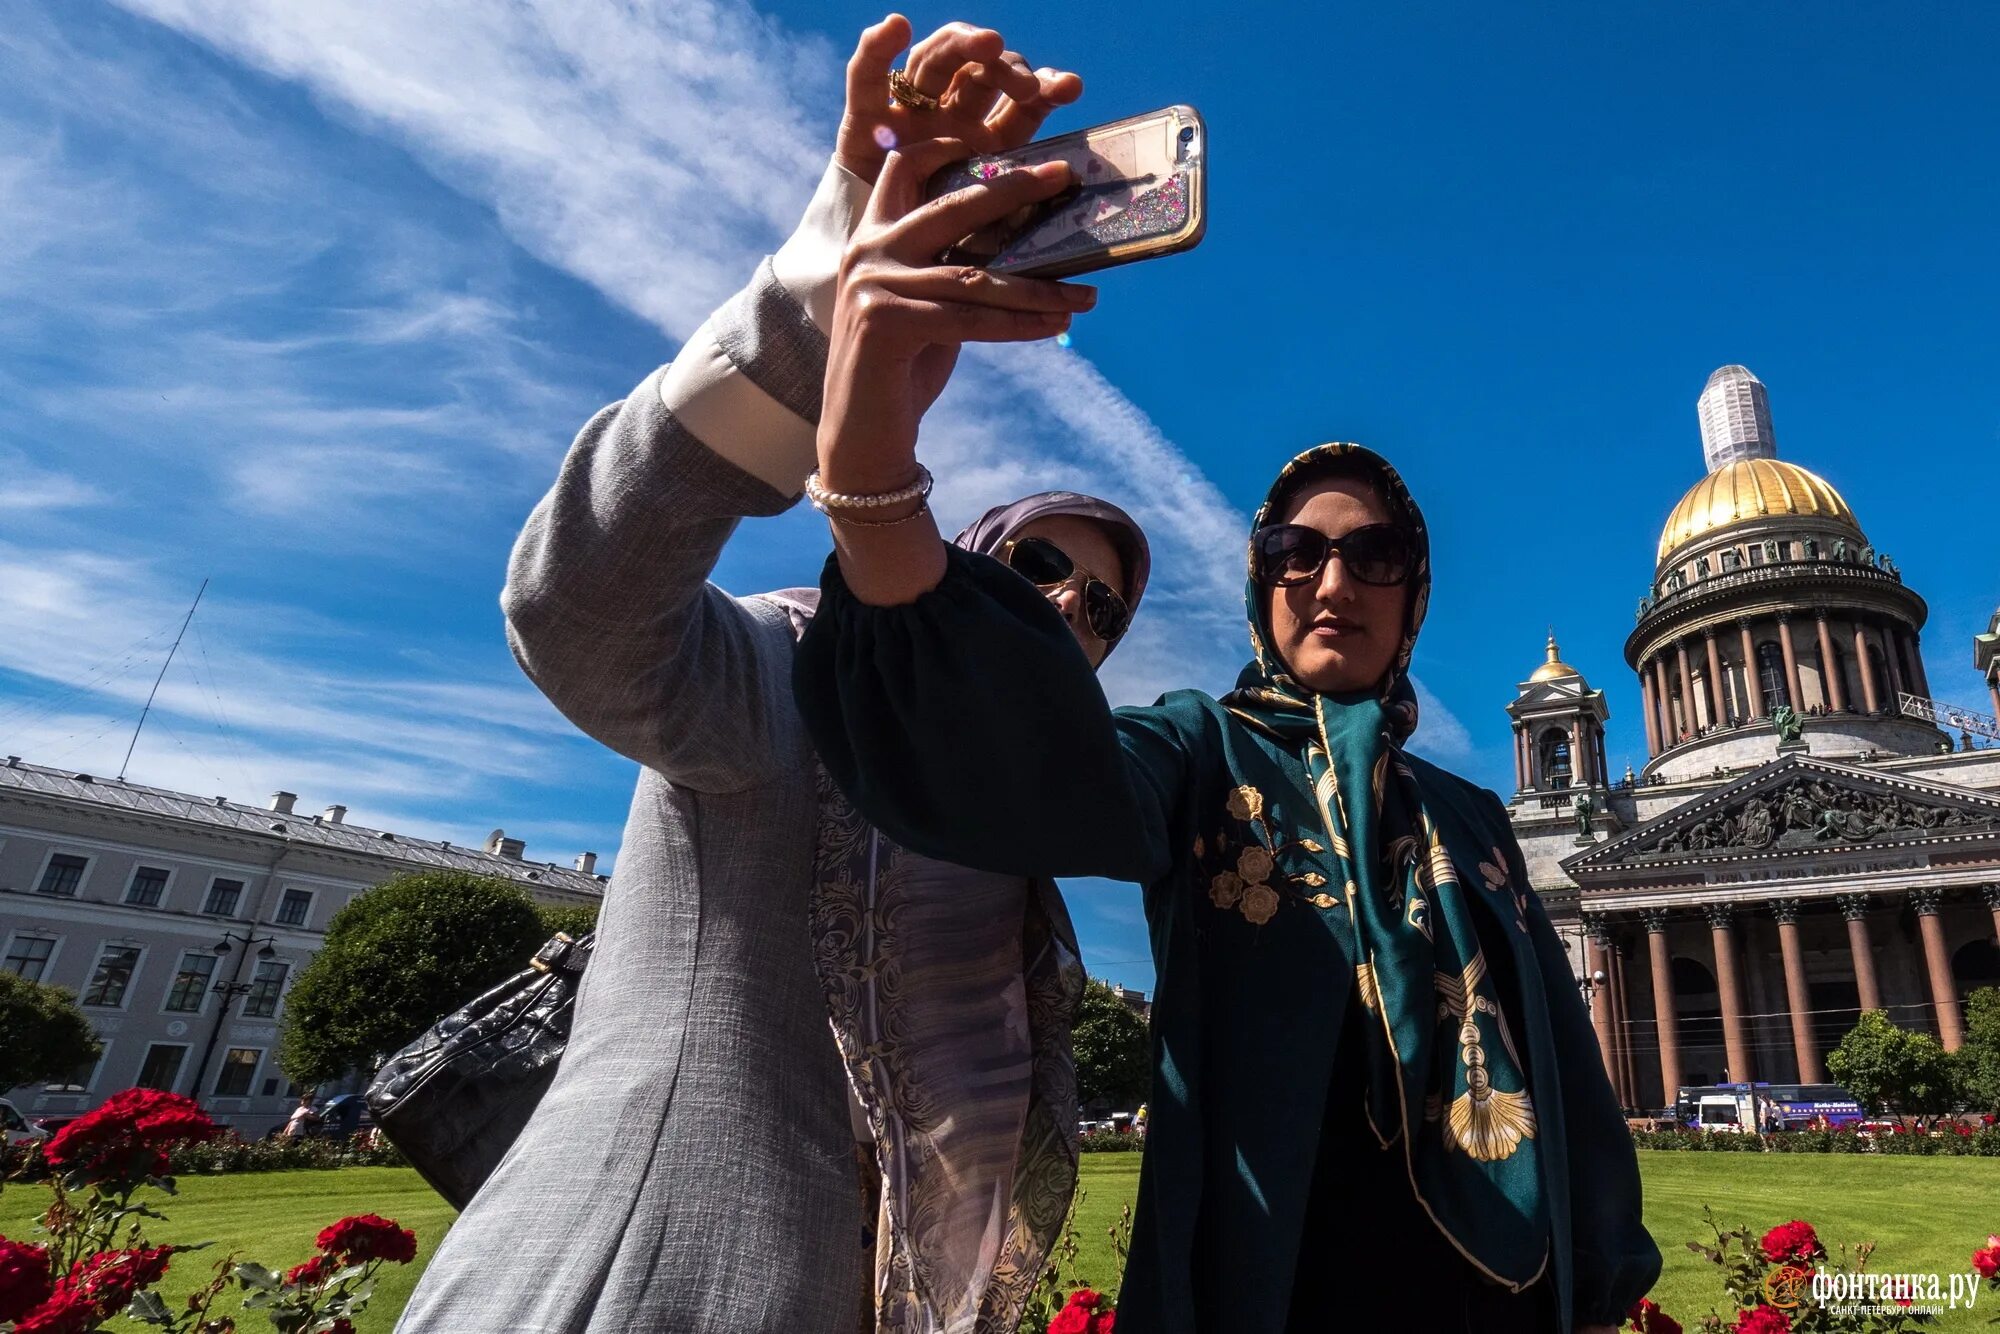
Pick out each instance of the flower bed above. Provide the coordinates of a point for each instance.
(1953, 1140)
(1110, 1141)
(92, 1263)
(227, 1153)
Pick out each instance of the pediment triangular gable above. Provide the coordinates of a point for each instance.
(1797, 803)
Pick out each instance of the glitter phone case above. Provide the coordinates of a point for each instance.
(1141, 190)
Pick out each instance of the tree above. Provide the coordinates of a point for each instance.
(1979, 1058)
(1113, 1049)
(1886, 1067)
(396, 960)
(42, 1032)
(576, 921)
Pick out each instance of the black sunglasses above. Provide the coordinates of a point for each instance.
(1048, 567)
(1285, 555)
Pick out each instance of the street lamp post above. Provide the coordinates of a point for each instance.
(229, 991)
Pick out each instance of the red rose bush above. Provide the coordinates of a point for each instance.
(95, 1265)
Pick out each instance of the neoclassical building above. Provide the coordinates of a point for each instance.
(180, 922)
(1738, 902)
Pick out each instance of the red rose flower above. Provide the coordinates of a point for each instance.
(1647, 1318)
(1795, 1240)
(1987, 1261)
(369, 1237)
(1762, 1320)
(67, 1311)
(312, 1271)
(341, 1326)
(126, 1138)
(1081, 1316)
(24, 1278)
(112, 1278)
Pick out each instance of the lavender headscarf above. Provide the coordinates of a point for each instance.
(990, 531)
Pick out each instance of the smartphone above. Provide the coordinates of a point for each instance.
(1141, 190)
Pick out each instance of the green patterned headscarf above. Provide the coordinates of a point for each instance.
(1444, 1074)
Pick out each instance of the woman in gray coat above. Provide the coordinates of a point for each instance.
(695, 1165)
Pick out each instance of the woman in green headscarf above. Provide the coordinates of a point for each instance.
(1377, 1100)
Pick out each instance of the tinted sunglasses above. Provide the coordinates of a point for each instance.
(1048, 567)
(1285, 555)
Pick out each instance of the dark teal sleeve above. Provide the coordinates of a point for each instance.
(1616, 1261)
(968, 726)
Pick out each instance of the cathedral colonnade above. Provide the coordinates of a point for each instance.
(1761, 988)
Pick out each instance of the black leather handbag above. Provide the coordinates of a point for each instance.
(454, 1100)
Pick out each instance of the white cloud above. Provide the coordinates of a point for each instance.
(656, 150)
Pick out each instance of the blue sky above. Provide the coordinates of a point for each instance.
(309, 299)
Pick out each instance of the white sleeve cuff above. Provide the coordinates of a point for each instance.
(736, 417)
(809, 262)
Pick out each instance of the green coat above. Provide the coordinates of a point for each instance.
(968, 726)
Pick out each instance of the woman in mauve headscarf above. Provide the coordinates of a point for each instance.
(952, 992)
(1377, 1100)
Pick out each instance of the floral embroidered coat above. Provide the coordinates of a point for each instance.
(1024, 769)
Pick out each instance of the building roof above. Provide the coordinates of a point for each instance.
(1555, 669)
(314, 830)
(1751, 489)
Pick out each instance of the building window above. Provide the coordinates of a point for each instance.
(191, 982)
(1771, 676)
(261, 1002)
(79, 1079)
(239, 1070)
(1882, 684)
(115, 967)
(1555, 760)
(1756, 554)
(162, 1066)
(223, 896)
(295, 907)
(62, 875)
(148, 883)
(28, 956)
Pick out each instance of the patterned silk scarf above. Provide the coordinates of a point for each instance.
(1444, 1073)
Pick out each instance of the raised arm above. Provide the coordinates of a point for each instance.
(968, 725)
(608, 606)
(607, 601)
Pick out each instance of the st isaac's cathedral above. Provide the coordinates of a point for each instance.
(1812, 836)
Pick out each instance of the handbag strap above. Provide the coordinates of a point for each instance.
(563, 955)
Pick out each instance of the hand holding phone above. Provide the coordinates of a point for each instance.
(1140, 190)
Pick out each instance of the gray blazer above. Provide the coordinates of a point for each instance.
(692, 1168)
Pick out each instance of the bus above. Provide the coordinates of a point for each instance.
(1765, 1106)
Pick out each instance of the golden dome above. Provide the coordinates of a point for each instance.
(1555, 669)
(1752, 489)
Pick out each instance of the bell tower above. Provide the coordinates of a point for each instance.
(1559, 731)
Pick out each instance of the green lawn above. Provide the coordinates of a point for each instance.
(271, 1217)
(1926, 1214)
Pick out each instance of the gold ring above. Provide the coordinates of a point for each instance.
(903, 91)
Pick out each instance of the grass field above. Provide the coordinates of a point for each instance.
(272, 1218)
(1926, 1214)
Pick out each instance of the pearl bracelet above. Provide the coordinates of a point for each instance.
(826, 502)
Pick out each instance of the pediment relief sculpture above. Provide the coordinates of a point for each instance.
(1812, 812)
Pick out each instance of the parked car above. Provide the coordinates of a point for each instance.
(344, 1116)
(18, 1129)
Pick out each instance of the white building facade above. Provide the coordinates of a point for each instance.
(180, 921)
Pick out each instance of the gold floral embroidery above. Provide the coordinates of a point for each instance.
(1254, 884)
(1200, 848)
(1260, 904)
(1254, 865)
